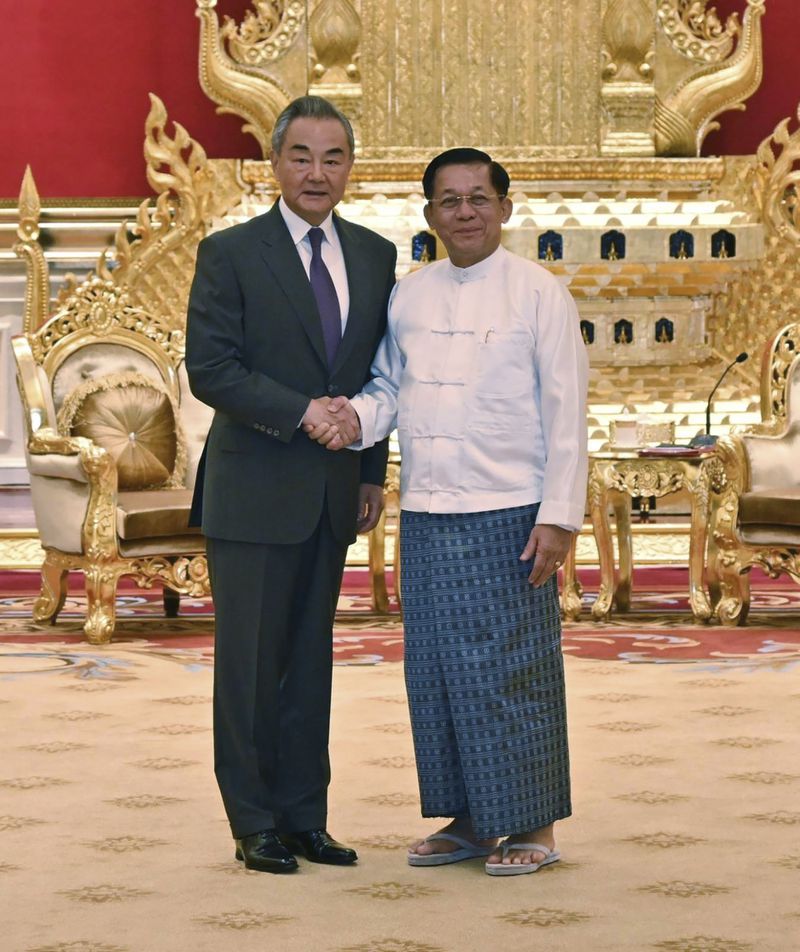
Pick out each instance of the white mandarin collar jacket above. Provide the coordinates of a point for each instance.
(484, 373)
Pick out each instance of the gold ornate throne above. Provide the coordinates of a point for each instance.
(758, 518)
(113, 433)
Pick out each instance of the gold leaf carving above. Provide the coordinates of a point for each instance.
(696, 31)
(777, 180)
(246, 91)
(685, 117)
(265, 34)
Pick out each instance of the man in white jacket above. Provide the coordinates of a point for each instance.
(484, 373)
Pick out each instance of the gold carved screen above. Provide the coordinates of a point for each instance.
(510, 74)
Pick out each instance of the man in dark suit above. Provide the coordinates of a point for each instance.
(285, 313)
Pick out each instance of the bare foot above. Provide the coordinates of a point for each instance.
(543, 835)
(461, 826)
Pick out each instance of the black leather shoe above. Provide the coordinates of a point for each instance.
(265, 852)
(320, 847)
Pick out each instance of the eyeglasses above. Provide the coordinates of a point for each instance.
(451, 202)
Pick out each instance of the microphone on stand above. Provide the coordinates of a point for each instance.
(706, 439)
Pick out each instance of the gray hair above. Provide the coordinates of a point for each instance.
(309, 107)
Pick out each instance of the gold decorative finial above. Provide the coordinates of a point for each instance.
(37, 286)
(335, 31)
(549, 255)
(682, 252)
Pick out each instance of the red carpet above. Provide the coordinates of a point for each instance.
(659, 629)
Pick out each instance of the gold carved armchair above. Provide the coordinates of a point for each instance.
(113, 433)
(113, 437)
(757, 521)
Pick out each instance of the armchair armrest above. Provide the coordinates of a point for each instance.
(60, 457)
(52, 456)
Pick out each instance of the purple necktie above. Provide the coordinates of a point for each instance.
(327, 302)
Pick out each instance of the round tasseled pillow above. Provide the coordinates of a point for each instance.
(134, 419)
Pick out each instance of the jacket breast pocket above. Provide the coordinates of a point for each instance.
(504, 363)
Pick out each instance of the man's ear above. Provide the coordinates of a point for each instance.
(426, 211)
(273, 158)
(508, 206)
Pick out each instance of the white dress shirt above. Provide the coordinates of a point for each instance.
(331, 251)
(484, 373)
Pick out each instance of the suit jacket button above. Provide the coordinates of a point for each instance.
(333, 391)
(269, 429)
(277, 432)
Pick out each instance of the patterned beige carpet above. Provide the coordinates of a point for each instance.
(112, 838)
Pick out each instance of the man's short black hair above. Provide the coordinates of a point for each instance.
(498, 175)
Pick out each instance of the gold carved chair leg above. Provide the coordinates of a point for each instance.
(53, 592)
(734, 603)
(622, 516)
(571, 589)
(377, 566)
(101, 608)
(712, 572)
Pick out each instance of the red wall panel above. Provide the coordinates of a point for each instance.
(76, 77)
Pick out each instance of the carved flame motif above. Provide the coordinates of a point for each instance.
(628, 48)
(778, 181)
(264, 35)
(335, 30)
(182, 201)
(697, 32)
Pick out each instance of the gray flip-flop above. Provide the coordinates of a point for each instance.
(519, 869)
(466, 850)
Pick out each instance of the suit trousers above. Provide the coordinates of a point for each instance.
(275, 606)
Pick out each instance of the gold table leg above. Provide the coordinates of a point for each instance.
(622, 516)
(698, 536)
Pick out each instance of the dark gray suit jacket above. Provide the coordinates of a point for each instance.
(255, 353)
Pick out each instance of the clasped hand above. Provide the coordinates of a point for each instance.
(332, 422)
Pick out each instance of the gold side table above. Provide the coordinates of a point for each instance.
(617, 477)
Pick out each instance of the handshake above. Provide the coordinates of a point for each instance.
(333, 423)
